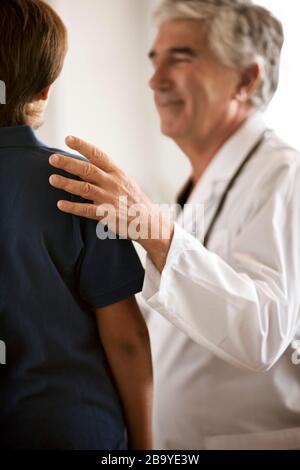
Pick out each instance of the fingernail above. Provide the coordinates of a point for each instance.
(54, 159)
(53, 179)
(70, 139)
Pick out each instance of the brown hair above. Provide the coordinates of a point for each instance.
(33, 46)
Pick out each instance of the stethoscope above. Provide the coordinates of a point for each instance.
(231, 183)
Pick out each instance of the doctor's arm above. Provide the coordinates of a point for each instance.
(245, 312)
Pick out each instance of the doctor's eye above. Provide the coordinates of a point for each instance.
(180, 60)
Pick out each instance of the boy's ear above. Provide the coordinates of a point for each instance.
(44, 95)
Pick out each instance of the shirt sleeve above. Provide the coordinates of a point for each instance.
(108, 270)
(246, 311)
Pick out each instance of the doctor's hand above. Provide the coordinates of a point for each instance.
(112, 198)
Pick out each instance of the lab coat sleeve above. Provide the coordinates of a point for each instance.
(245, 311)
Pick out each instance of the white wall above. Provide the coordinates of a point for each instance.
(103, 95)
(283, 112)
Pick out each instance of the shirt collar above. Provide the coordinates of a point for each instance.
(19, 136)
(229, 158)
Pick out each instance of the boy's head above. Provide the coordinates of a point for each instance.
(33, 45)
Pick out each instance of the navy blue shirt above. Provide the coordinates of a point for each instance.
(56, 390)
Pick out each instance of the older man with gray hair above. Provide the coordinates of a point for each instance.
(225, 309)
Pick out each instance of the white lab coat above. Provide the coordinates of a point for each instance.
(222, 319)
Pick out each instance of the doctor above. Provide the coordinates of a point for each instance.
(224, 310)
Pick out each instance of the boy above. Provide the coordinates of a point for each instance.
(61, 387)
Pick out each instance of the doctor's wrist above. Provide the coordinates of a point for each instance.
(158, 243)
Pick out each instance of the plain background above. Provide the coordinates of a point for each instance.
(103, 95)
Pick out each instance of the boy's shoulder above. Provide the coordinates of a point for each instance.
(48, 151)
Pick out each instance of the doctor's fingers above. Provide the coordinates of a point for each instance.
(85, 170)
(89, 211)
(79, 188)
(92, 153)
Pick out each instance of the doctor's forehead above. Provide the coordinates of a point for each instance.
(179, 34)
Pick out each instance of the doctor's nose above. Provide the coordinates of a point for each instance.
(160, 79)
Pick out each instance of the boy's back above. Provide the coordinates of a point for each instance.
(56, 389)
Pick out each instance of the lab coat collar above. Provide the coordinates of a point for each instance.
(228, 159)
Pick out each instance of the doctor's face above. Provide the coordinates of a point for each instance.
(193, 92)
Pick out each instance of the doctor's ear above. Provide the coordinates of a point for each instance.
(250, 80)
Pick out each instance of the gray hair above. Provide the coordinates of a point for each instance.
(240, 33)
